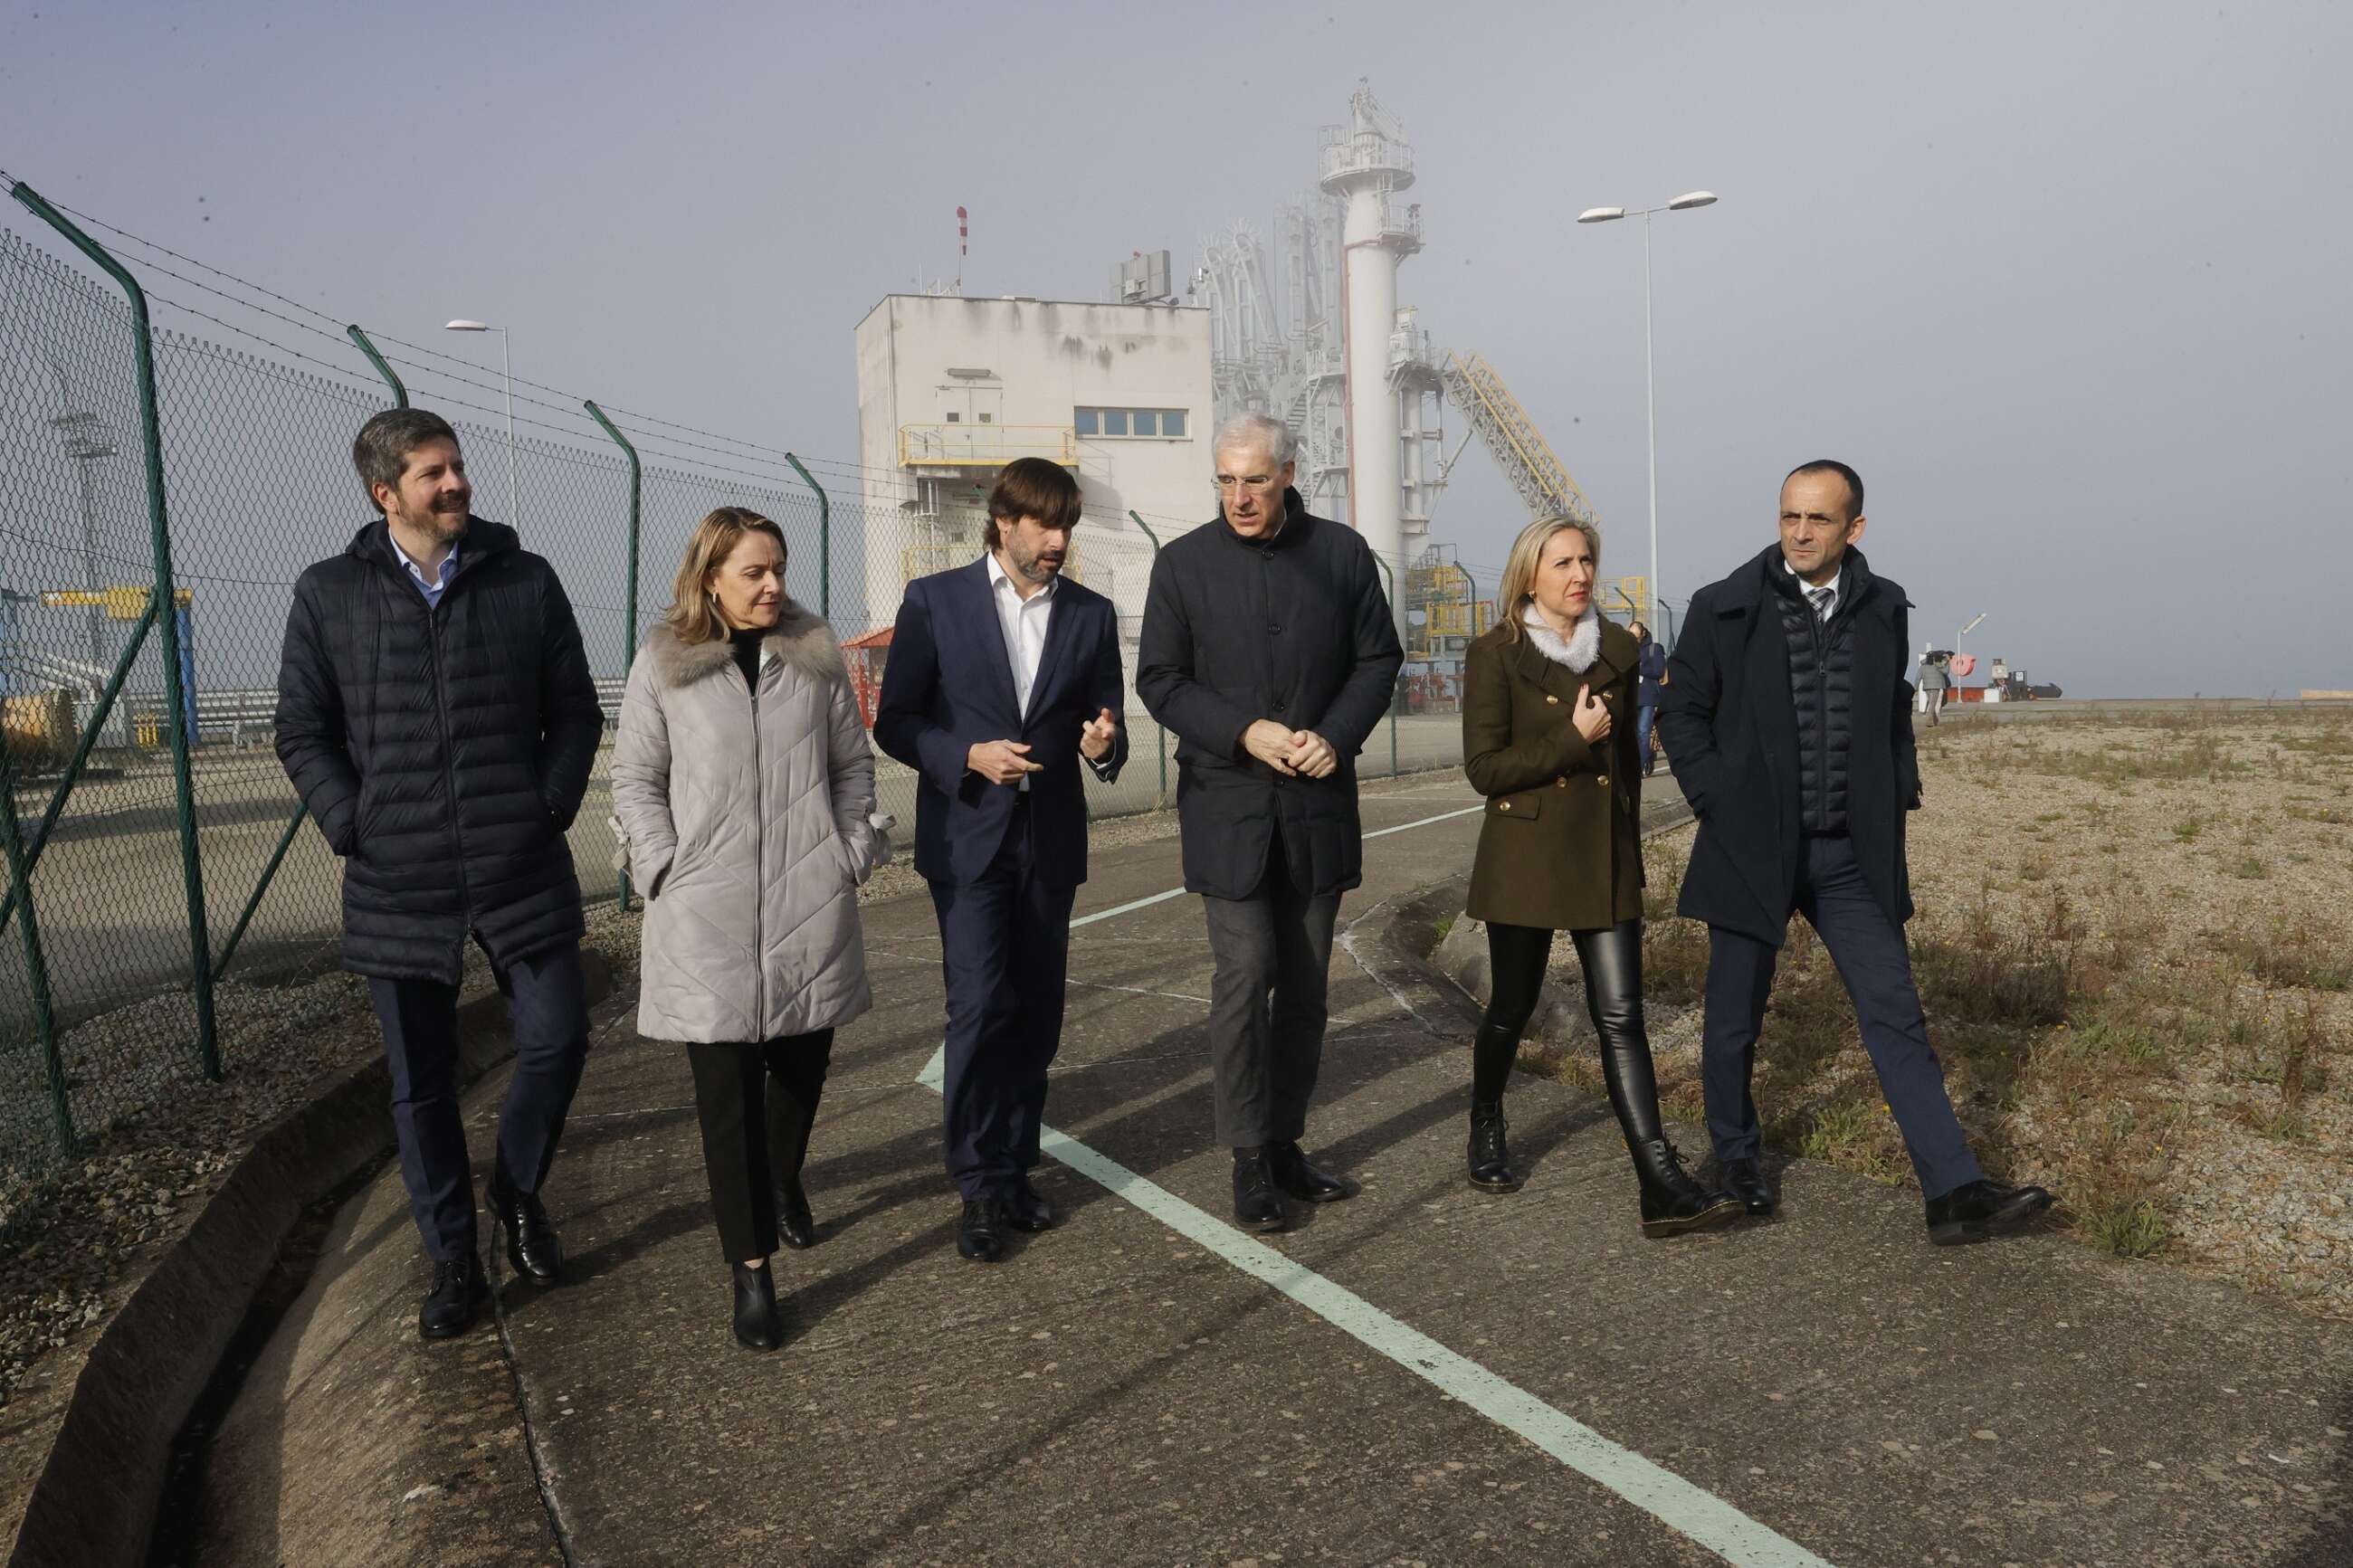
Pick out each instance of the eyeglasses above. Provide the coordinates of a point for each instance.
(1257, 484)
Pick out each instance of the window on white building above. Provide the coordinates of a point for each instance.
(1129, 423)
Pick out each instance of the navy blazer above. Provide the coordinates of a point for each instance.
(948, 685)
(1730, 724)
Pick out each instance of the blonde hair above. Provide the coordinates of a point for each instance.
(1520, 567)
(694, 613)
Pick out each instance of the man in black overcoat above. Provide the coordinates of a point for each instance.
(1788, 724)
(1270, 651)
(436, 715)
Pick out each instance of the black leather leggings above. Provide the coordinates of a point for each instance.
(1611, 957)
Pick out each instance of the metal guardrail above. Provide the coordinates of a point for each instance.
(984, 446)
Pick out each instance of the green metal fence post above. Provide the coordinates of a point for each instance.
(166, 605)
(399, 393)
(1157, 725)
(36, 965)
(824, 538)
(628, 631)
(1389, 577)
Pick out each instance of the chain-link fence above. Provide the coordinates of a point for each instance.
(152, 839)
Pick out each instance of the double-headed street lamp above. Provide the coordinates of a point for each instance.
(1609, 214)
(514, 514)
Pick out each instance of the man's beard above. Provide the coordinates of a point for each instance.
(1035, 569)
(440, 524)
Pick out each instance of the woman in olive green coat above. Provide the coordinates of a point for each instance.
(1548, 737)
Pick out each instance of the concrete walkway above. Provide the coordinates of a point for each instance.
(1426, 1374)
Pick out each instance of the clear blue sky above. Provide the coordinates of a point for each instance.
(2068, 283)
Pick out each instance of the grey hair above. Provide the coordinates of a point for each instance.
(1257, 430)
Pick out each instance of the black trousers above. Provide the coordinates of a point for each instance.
(1004, 949)
(1611, 957)
(1268, 1005)
(756, 1104)
(547, 1006)
(1876, 967)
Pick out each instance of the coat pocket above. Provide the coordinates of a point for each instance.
(1525, 807)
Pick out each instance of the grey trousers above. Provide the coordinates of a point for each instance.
(1273, 953)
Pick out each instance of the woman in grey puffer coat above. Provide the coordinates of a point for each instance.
(744, 786)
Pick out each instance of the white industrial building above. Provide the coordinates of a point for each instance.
(950, 389)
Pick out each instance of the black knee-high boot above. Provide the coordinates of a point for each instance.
(1672, 1201)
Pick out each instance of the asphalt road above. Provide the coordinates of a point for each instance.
(1426, 1374)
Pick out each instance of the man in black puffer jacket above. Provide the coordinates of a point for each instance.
(436, 715)
(1788, 725)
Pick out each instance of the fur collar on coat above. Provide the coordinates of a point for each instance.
(1578, 650)
(801, 639)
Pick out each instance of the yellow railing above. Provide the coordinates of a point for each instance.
(984, 446)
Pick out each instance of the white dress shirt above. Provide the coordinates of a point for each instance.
(1023, 622)
(1838, 588)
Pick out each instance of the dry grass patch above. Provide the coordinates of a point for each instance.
(2133, 951)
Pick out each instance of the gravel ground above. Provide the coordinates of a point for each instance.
(2133, 942)
(78, 1233)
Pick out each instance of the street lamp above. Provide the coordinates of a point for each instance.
(514, 510)
(1683, 203)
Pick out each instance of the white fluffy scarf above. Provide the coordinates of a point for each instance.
(1578, 650)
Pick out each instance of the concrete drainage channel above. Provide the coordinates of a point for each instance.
(149, 1397)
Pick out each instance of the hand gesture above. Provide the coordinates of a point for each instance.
(1312, 754)
(1592, 716)
(1097, 734)
(1270, 742)
(1000, 762)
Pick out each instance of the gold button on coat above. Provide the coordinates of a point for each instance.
(1549, 698)
(1603, 779)
(1505, 806)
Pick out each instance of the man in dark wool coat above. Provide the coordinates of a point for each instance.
(436, 715)
(1788, 724)
(1269, 649)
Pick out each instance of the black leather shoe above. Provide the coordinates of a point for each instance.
(1490, 1162)
(794, 1223)
(980, 1235)
(532, 1243)
(758, 1325)
(1024, 1210)
(455, 1300)
(1258, 1205)
(1672, 1202)
(1744, 1180)
(1302, 1181)
(1981, 1210)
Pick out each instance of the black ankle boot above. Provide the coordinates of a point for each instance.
(1490, 1160)
(758, 1325)
(795, 1224)
(1672, 1202)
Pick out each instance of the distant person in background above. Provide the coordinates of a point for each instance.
(1003, 678)
(1561, 851)
(1270, 651)
(1788, 725)
(436, 715)
(1651, 667)
(744, 788)
(1936, 679)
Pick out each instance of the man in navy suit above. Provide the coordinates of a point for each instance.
(1001, 677)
